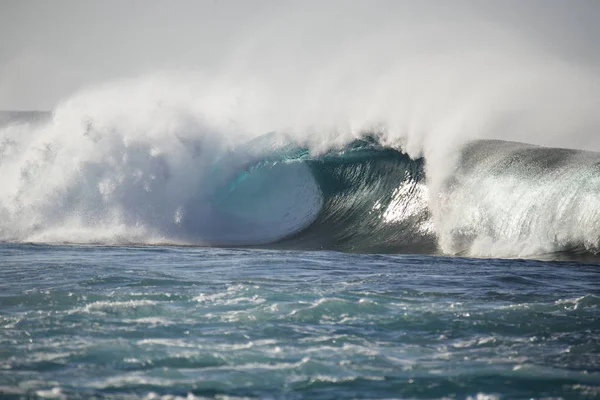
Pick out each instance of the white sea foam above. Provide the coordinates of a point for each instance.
(139, 160)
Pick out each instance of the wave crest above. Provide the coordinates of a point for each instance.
(164, 176)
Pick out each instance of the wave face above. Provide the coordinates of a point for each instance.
(168, 184)
(370, 198)
(518, 200)
(502, 198)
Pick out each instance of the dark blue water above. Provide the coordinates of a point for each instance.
(152, 322)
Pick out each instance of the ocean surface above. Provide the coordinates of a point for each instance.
(150, 322)
(150, 250)
(300, 200)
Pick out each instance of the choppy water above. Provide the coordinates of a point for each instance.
(149, 322)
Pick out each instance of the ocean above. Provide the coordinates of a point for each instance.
(153, 253)
(150, 322)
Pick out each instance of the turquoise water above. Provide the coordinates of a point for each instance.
(169, 322)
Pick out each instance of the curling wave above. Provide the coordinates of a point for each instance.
(501, 199)
(362, 198)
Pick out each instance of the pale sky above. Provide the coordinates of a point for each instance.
(48, 49)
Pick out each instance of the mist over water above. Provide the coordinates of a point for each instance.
(289, 200)
(140, 159)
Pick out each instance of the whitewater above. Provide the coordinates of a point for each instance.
(366, 142)
(163, 175)
(300, 201)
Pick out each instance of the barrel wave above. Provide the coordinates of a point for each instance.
(370, 198)
(85, 181)
(505, 198)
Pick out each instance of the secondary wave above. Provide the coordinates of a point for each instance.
(517, 199)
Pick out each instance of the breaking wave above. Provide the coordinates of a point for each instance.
(500, 198)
